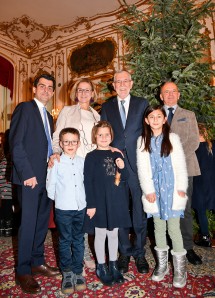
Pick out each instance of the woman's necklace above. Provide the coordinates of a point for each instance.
(88, 146)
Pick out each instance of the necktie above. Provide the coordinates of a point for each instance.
(170, 115)
(122, 113)
(47, 132)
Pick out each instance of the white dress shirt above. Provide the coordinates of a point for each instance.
(126, 104)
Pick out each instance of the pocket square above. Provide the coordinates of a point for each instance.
(182, 120)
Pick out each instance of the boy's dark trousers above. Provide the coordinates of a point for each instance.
(71, 239)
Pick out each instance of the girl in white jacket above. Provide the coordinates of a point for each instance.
(163, 178)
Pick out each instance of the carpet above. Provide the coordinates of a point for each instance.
(200, 281)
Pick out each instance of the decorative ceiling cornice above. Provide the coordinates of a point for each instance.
(29, 36)
(27, 33)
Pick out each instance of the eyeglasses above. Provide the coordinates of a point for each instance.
(86, 91)
(124, 82)
(67, 143)
(44, 87)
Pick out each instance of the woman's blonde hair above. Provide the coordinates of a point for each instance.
(75, 87)
(95, 129)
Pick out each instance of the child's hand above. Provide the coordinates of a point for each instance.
(151, 197)
(91, 212)
(181, 193)
(120, 163)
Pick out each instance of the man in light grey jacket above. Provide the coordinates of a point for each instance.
(183, 122)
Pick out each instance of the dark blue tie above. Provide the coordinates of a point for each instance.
(47, 132)
(170, 115)
(122, 112)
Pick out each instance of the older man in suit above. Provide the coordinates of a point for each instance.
(183, 122)
(30, 143)
(125, 113)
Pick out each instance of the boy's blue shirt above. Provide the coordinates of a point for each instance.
(65, 183)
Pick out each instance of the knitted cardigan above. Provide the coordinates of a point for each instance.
(179, 170)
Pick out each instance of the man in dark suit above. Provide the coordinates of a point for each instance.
(125, 114)
(183, 122)
(30, 144)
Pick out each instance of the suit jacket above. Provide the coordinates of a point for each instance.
(28, 143)
(126, 139)
(185, 125)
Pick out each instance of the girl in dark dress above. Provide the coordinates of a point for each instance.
(107, 202)
(203, 197)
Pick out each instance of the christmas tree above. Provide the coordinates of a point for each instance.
(168, 43)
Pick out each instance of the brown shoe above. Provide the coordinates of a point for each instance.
(45, 270)
(28, 284)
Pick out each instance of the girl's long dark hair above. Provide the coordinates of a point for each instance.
(166, 146)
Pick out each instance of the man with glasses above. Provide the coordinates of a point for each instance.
(125, 114)
(30, 144)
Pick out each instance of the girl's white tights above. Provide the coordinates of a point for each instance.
(99, 243)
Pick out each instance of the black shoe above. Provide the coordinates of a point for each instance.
(142, 265)
(123, 263)
(193, 258)
(114, 271)
(104, 275)
(204, 240)
(8, 225)
(2, 228)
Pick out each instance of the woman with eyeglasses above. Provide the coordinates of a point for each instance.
(82, 117)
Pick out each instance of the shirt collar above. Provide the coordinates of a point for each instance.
(126, 99)
(39, 104)
(67, 156)
(166, 107)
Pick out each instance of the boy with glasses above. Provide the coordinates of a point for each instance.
(65, 185)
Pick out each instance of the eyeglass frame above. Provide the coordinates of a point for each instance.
(122, 82)
(68, 143)
(86, 91)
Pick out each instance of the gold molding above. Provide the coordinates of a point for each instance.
(27, 33)
(41, 62)
(59, 63)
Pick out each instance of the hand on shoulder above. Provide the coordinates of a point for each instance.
(52, 158)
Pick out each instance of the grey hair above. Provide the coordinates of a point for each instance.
(120, 71)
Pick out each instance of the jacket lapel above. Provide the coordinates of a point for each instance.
(176, 116)
(116, 114)
(39, 117)
(131, 112)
